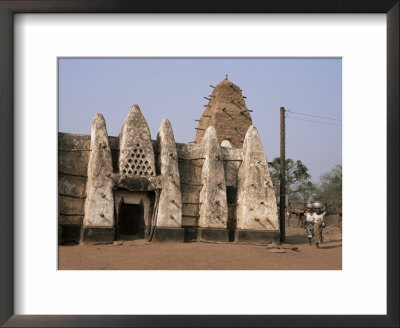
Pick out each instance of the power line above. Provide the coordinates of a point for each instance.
(301, 119)
(326, 118)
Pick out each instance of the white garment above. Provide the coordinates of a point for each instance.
(318, 218)
(309, 217)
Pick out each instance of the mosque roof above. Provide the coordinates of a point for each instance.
(227, 112)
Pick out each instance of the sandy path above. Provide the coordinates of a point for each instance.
(205, 256)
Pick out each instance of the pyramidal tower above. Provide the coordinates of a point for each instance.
(226, 111)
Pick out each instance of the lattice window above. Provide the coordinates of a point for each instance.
(137, 164)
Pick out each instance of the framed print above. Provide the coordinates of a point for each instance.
(51, 54)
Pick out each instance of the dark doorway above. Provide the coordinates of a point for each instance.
(130, 221)
(231, 199)
(231, 195)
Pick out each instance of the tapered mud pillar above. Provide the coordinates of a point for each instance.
(169, 214)
(136, 162)
(213, 208)
(98, 222)
(136, 154)
(257, 213)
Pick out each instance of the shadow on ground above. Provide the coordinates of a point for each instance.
(297, 239)
(329, 247)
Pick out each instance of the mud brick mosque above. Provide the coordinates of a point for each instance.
(216, 189)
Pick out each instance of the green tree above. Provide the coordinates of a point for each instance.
(330, 189)
(296, 173)
(305, 192)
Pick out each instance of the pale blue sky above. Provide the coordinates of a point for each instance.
(174, 89)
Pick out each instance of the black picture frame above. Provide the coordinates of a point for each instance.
(7, 10)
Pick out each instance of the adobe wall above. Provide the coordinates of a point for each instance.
(73, 158)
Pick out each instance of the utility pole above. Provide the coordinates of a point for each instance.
(282, 192)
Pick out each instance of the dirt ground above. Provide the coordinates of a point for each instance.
(139, 255)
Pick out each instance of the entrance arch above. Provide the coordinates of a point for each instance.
(133, 213)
